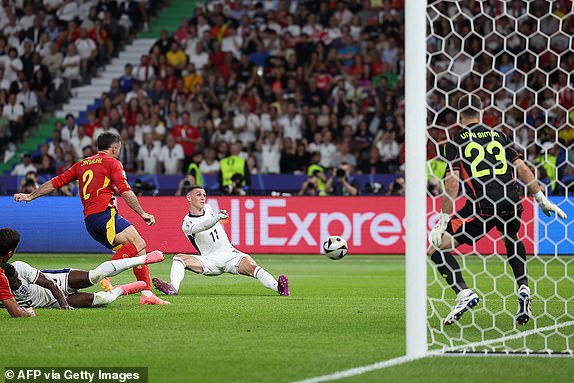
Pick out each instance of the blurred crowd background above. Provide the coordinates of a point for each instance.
(242, 88)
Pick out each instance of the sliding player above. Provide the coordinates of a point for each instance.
(59, 288)
(98, 176)
(216, 254)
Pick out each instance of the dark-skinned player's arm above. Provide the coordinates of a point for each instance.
(15, 310)
(527, 178)
(48, 284)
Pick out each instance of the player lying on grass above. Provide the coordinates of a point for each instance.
(216, 254)
(9, 240)
(485, 160)
(59, 288)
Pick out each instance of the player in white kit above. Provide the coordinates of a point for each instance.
(60, 288)
(216, 254)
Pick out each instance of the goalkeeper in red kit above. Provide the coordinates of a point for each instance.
(98, 176)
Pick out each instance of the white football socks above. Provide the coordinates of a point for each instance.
(114, 267)
(102, 298)
(177, 272)
(265, 278)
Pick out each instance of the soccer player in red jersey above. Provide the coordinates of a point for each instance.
(98, 176)
(8, 242)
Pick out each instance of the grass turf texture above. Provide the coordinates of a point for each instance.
(343, 314)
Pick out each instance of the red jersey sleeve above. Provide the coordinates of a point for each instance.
(5, 292)
(66, 177)
(119, 177)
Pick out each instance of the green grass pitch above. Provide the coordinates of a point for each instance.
(342, 314)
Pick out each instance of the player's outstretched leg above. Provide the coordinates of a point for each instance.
(114, 267)
(466, 299)
(104, 298)
(523, 315)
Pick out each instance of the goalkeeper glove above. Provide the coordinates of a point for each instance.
(435, 236)
(548, 207)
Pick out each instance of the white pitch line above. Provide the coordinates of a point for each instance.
(509, 337)
(360, 370)
(405, 359)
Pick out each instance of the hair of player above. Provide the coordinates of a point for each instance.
(107, 139)
(193, 187)
(9, 239)
(9, 270)
(469, 105)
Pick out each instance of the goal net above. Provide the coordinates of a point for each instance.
(517, 57)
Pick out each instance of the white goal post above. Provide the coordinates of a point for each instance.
(514, 55)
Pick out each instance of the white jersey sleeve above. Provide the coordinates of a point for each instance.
(209, 241)
(29, 294)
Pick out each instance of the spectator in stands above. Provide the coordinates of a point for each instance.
(129, 153)
(70, 128)
(37, 158)
(210, 164)
(24, 167)
(144, 72)
(291, 123)
(270, 147)
(54, 60)
(105, 127)
(363, 140)
(328, 150)
(373, 164)
(71, 66)
(125, 82)
(176, 57)
(200, 59)
(164, 42)
(171, 156)
(48, 165)
(149, 155)
(79, 141)
(344, 155)
(28, 99)
(389, 150)
(14, 112)
(13, 64)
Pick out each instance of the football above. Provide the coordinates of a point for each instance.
(335, 247)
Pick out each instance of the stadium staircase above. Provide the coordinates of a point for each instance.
(87, 97)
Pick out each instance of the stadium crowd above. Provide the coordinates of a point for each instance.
(280, 85)
(317, 88)
(48, 47)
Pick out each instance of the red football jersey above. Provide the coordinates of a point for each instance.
(5, 292)
(97, 176)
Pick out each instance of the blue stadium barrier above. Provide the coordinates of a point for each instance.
(49, 225)
(556, 236)
(261, 184)
(55, 224)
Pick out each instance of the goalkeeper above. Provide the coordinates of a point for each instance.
(485, 160)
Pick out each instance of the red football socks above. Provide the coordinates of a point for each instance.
(126, 251)
(142, 274)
